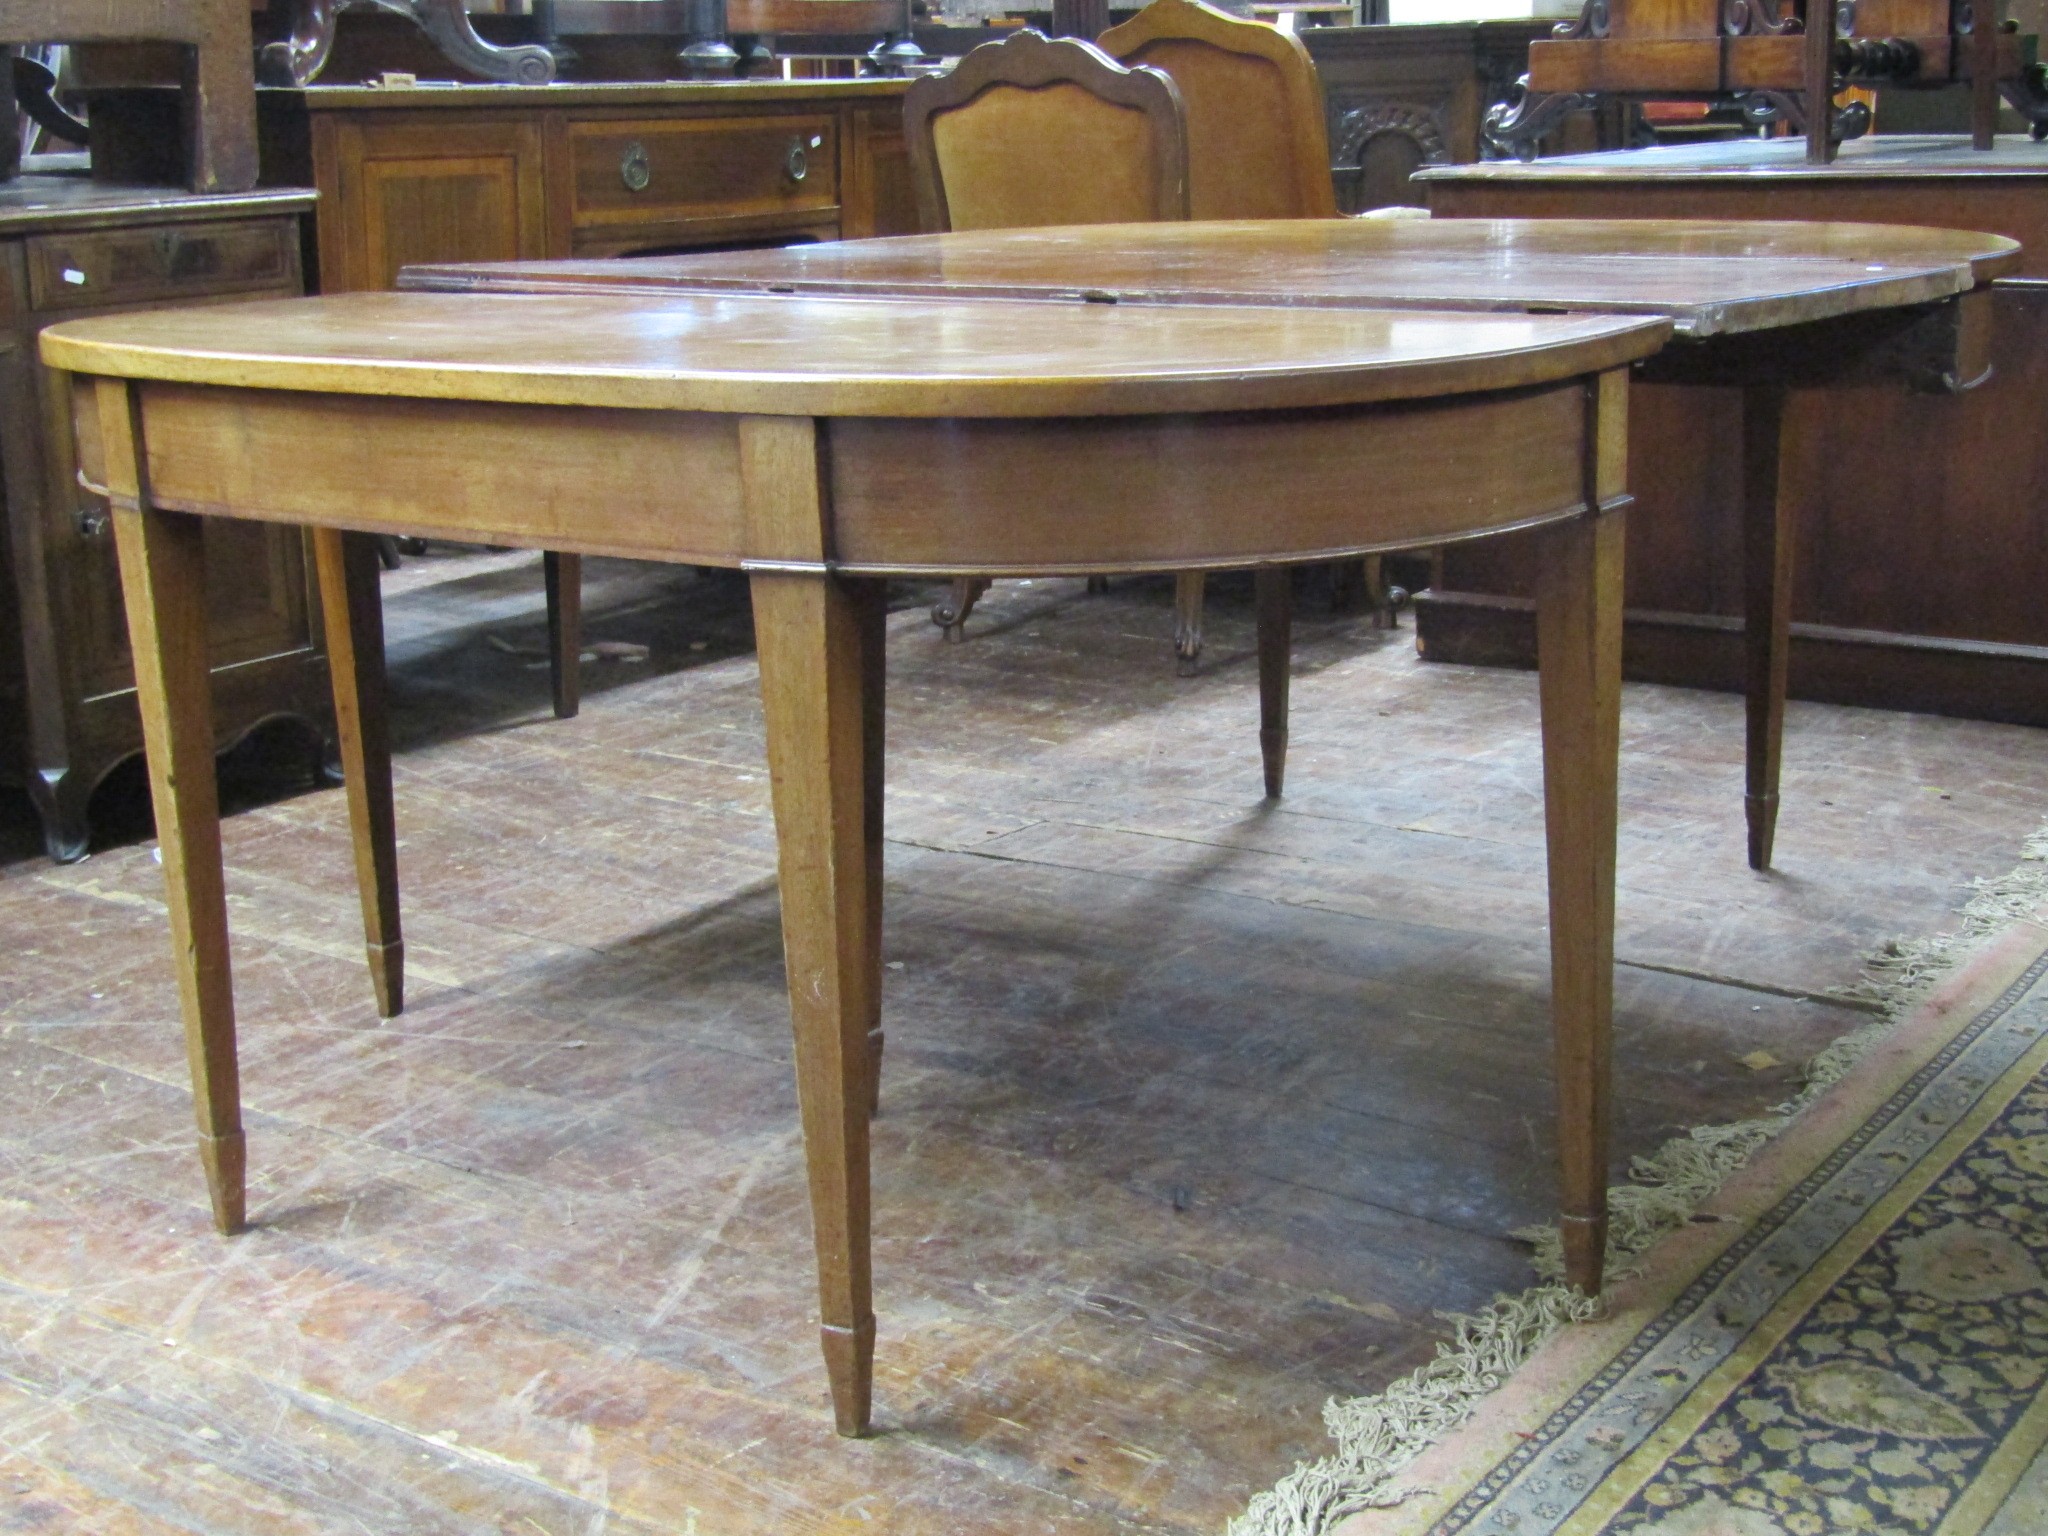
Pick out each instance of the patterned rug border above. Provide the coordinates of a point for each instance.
(1569, 1371)
(1992, 1020)
(1514, 1363)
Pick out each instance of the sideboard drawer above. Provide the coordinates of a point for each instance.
(94, 268)
(657, 172)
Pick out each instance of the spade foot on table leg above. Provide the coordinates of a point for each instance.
(850, 1363)
(1762, 811)
(225, 1159)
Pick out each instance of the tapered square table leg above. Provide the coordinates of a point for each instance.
(1767, 537)
(1578, 652)
(1273, 588)
(562, 575)
(163, 582)
(817, 636)
(353, 607)
(872, 598)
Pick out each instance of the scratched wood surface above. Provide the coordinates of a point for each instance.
(1196, 1110)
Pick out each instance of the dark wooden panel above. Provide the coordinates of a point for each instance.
(1399, 98)
(1921, 516)
(1977, 680)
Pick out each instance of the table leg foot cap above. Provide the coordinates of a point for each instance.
(387, 977)
(1585, 1251)
(226, 1161)
(850, 1363)
(1762, 813)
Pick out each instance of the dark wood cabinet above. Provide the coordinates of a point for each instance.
(70, 247)
(1400, 98)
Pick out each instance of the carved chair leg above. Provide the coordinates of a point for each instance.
(950, 613)
(1188, 588)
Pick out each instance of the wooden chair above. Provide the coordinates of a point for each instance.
(1034, 130)
(1258, 148)
(1001, 142)
(1257, 144)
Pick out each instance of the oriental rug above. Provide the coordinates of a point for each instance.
(1849, 1335)
(1868, 1354)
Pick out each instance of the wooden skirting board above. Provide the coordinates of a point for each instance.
(1932, 674)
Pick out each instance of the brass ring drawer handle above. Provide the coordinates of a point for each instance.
(634, 169)
(797, 163)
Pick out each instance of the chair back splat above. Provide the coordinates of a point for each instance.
(1034, 130)
(1258, 145)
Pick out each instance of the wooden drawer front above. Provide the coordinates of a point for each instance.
(712, 168)
(96, 268)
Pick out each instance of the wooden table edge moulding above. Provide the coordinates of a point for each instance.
(1886, 303)
(822, 446)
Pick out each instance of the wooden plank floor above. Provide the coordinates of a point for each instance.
(1196, 1109)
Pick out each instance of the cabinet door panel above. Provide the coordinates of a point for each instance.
(425, 189)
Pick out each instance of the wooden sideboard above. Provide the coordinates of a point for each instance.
(504, 172)
(71, 247)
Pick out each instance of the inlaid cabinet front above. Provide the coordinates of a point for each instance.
(482, 173)
(71, 248)
(406, 186)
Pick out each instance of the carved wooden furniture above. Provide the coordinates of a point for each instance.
(300, 56)
(1760, 310)
(824, 445)
(1785, 60)
(71, 247)
(219, 96)
(695, 37)
(1399, 98)
(1920, 561)
(1032, 131)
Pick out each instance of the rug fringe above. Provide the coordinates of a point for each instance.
(1380, 1435)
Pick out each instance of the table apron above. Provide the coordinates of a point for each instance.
(986, 496)
(1168, 493)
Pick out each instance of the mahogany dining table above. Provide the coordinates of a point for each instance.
(823, 445)
(1759, 308)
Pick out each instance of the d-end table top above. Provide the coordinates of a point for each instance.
(1708, 277)
(1873, 157)
(739, 353)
